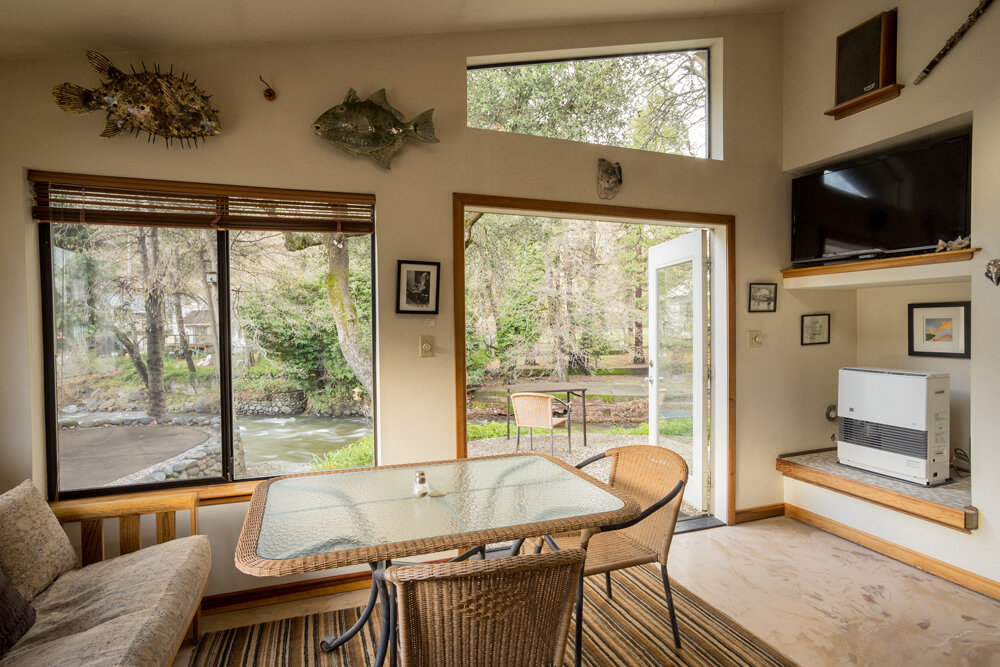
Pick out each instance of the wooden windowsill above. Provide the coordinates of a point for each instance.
(964, 519)
(208, 494)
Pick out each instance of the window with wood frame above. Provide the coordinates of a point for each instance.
(199, 332)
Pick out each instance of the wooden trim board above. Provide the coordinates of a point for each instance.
(462, 200)
(888, 263)
(760, 512)
(970, 580)
(962, 520)
(222, 603)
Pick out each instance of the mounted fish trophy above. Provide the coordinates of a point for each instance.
(371, 127)
(153, 102)
(609, 178)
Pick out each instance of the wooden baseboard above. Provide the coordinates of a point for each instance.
(760, 512)
(298, 590)
(970, 580)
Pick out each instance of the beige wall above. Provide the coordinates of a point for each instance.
(270, 144)
(963, 86)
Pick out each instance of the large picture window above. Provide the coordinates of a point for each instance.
(202, 333)
(647, 101)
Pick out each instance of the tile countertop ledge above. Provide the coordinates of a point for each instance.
(947, 505)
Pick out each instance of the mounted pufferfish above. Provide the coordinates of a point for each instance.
(160, 104)
(372, 127)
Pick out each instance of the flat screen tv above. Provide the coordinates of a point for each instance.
(892, 203)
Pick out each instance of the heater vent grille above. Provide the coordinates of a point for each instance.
(886, 438)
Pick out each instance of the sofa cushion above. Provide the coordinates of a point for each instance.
(129, 610)
(34, 549)
(16, 614)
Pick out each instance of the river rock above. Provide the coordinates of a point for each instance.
(146, 421)
(135, 396)
(71, 409)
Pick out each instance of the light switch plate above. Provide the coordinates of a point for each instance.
(755, 338)
(426, 346)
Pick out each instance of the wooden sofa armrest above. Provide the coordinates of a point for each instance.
(91, 513)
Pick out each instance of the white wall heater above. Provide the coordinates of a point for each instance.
(895, 423)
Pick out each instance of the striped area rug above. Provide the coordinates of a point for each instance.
(632, 629)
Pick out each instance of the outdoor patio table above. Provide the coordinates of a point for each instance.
(552, 388)
(317, 521)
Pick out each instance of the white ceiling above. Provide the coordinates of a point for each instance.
(49, 27)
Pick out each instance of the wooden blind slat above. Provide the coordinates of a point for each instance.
(81, 199)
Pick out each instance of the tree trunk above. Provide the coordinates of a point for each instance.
(638, 346)
(133, 354)
(344, 315)
(182, 336)
(209, 261)
(149, 252)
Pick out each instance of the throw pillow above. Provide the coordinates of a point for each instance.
(34, 549)
(16, 615)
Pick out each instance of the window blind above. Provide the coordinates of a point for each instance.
(79, 198)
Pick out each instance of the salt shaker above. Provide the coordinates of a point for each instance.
(420, 488)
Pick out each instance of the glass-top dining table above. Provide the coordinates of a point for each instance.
(317, 521)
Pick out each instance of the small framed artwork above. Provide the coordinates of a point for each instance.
(763, 298)
(816, 329)
(940, 329)
(417, 287)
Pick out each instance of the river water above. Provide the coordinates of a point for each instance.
(297, 438)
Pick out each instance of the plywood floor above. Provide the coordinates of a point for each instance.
(815, 597)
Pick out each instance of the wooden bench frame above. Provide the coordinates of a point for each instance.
(128, 508)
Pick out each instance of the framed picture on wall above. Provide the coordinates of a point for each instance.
(940, 329)
(418, 285)
(763, 298)
(816, 329)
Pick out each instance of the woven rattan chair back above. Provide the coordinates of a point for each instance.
(504, 611)
(646, 474)
(532, 410)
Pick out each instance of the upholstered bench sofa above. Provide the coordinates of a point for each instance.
(134, 609)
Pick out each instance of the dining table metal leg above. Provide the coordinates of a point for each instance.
(330, 643)
(386, 609)
(578, 654)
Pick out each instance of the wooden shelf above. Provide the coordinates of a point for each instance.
(939, 267)
(866, 101)
(962, 519)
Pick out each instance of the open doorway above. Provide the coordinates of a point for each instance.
(563, 299)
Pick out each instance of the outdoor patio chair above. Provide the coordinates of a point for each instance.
(644, 473)
(504, 611)
(533, 410)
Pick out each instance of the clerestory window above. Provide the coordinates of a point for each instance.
(655, 101)
(198, 333)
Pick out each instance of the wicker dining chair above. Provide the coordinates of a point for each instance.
(533, 410)
(654, 477)
(504, 611)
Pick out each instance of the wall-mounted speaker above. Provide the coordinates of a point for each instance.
(866, 65)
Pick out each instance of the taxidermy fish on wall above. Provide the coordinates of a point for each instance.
(160, 104)
(371, 127)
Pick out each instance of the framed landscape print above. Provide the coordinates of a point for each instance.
(940, 329)
(816, 329)
(763, 298)
(418, 285)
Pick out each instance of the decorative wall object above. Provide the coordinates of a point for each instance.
(993, 271)
(816, 329)
(866, 66)
(157, 103)
(371, 127)
(953, 40)
(940, 329)
(609, 178)
(269, 93)
(762, 298)
(959, 243)
(418, 285)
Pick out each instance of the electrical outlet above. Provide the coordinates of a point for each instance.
(427, 346)
(755, 338)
